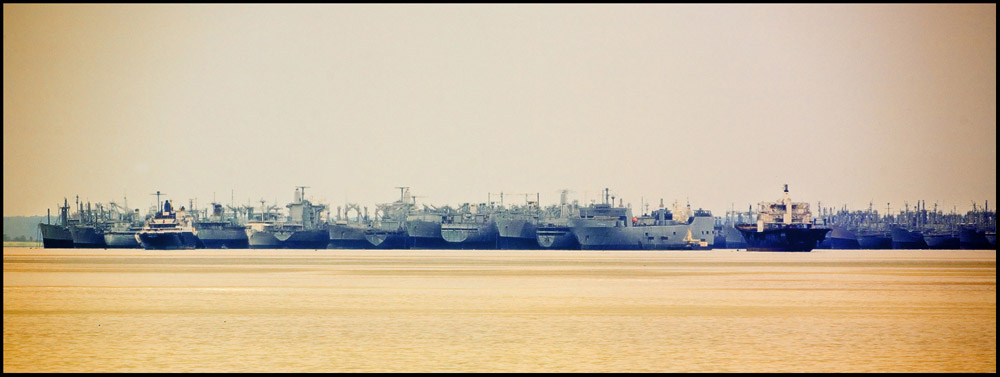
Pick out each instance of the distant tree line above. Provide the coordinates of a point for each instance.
(7, 238)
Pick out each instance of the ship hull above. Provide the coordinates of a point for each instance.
(226, 238)
(786, 239)
(387, 240)
(348, 236)
(87, 237)
(56, 237)
(470, 236)
(875, 242)
(425, 235)
(298, 239)
(121, 240)
(556, 237)
(973, 239)
(942, 241)
(734, 239)
(517, 234)
(904, 239)
(843, 239)
(168, 240)
(606, 235)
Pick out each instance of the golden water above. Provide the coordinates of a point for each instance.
(68, 310)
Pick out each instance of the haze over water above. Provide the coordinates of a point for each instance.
(69, 310)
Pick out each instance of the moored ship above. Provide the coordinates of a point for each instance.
(604, 227)
(168, 230)
(303, 229)
(58, 236)
(219, 231)
(347, 233)
(471, 228)
(783, 226)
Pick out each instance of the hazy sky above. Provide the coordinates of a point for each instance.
(718, 104)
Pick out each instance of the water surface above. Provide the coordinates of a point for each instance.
(79, 310)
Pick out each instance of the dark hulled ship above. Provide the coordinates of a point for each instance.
(783, 226)
(58, 236)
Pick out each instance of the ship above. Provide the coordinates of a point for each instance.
(942, 240)
(122, 227)
(553, 230)
(219, 231)
(168, 229)
(783, 226)
(57, 236)
(874, 240)
(304, 228)
(974, 239)
(907, 239)
(87, 229)
(607, 227)
(347, 233)
(471, 228)
(424, 226)
(843, 238)
(388, 230)
(517, 226)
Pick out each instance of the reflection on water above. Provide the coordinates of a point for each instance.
(490, 311)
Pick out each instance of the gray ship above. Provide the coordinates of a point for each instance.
(57, 236)
(220, 230)
(553, 230)
(388, 230)
(424, 227)
(604, 227)
(303, 229)
(517, 227)
(122, 225)
(471, 228)
(347, 233)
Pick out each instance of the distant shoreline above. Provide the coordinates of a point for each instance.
(37, 244)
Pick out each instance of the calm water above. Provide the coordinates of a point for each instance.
(68, 310)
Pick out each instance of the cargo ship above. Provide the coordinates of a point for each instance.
(471, 228)
(607, 227)
(57, 236)
(783, 226)
(843, 238)
(302, 229)
(168, 230)
(517, 226)
(347, 233)
(907, 239)
(388, 230)
(221, 231)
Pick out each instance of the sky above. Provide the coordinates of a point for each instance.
(718, 105)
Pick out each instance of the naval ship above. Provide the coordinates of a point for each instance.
(783, 226)
(605, 227)
(122, 230)
(86, 228)
(221, 231)
(471, 228)
(168, 229)
(347, 233)
(424, 227)
(303, 229)
(518, 225)
(57, 236)
(388, 231)
(553, 230)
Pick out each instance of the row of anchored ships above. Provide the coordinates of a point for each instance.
(780, 226)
